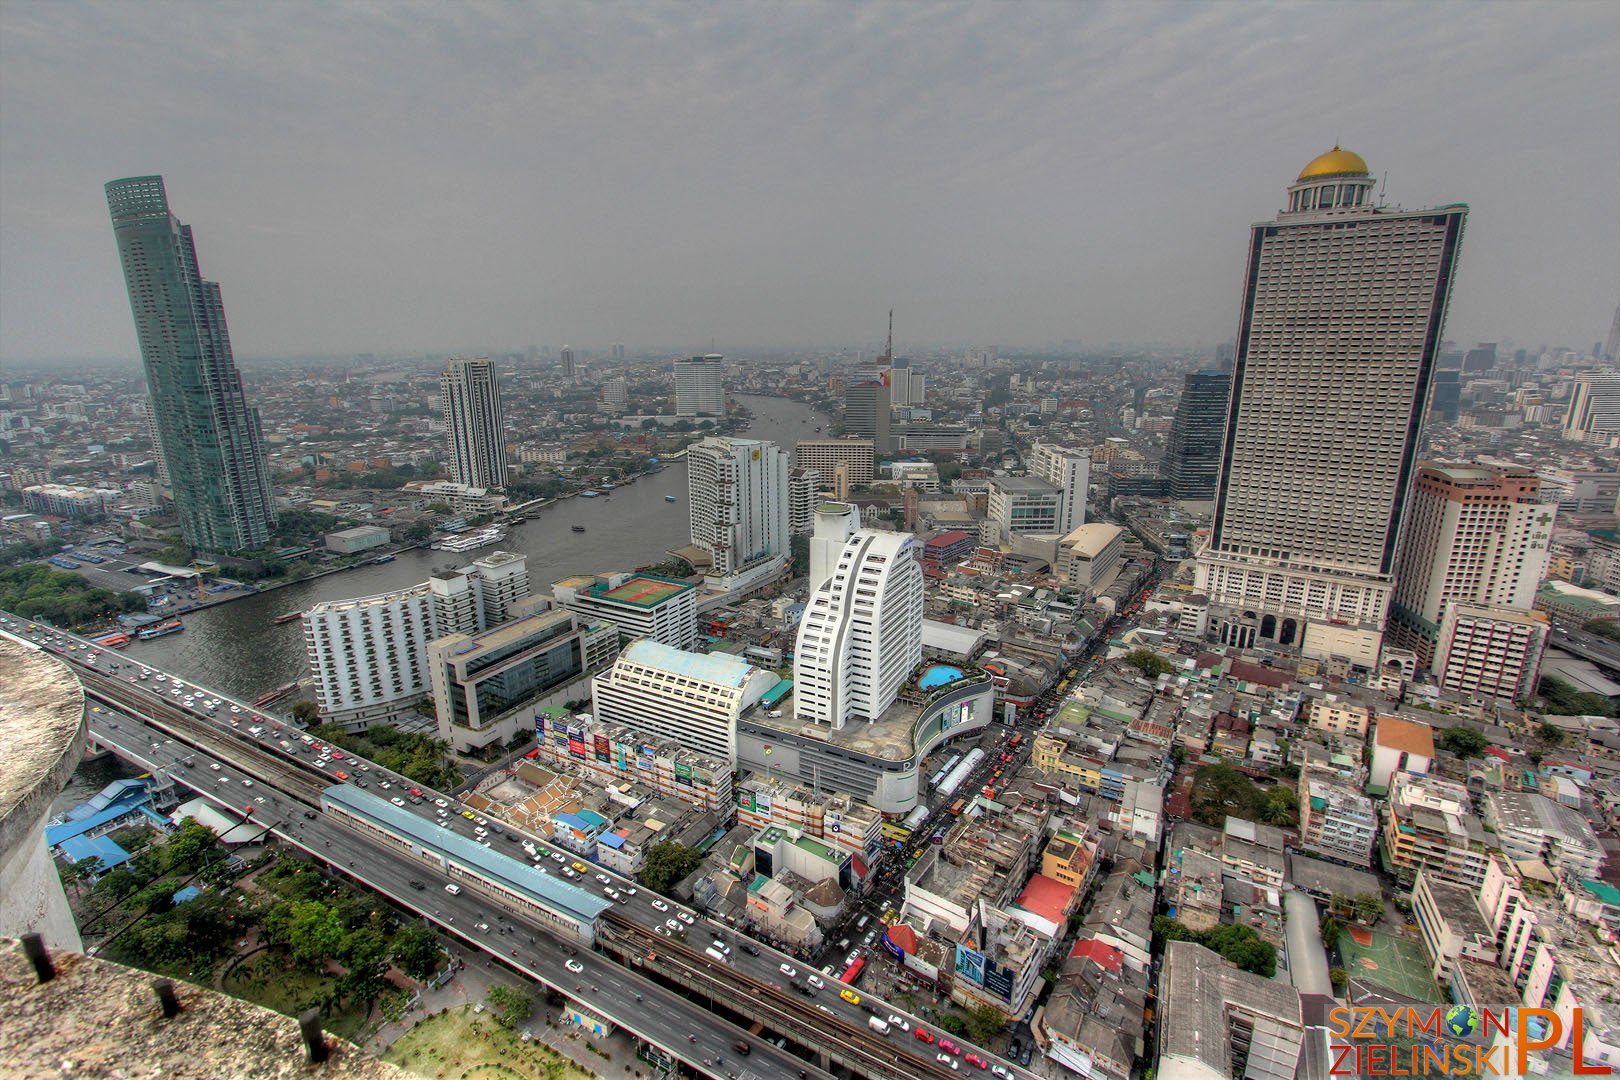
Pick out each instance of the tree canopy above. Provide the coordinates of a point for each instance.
(34, 591)
(1234, 942)
(1149, 663)
(668, 863)
(1462, 741)
(1562, 698)
(1220, 790)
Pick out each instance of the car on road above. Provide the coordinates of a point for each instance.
(397, 801)
(661, 930)
(468, 814)
(742, 1047)
(247, 783)
(685, 917)
(453, 889)
(441, 803)
(850, 996)
(570, 873)
(789, 970)
(579, 868)
(899, 1022)
(557, 856)
(658, 905)
(215, 766)
(484, 926)
(602, 878)
(947, 1061)
(948, 1046)
(925, 1035)
(815, 982)
(574, 965)
(975, 1060)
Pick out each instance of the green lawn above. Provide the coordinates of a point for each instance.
(461, 1045)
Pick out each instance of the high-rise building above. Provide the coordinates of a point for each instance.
(617, 352)
(206, 435)
(804, 492)
(1594, 408)
(1474, 535)
(1024, 504)
(615, 396)
(640, 605)
(1481, 357)
(1344, 303)
(700, 386)
(162, 466)
(1489, 651)
(1069, 471)
(1192, 457)
(835, 523)
(369, 654)
(568, 368)
(475, 438)
(1611, 346)
(737, 491)
(861, 633)
(857, 456)
(866, 412)
(907, 385)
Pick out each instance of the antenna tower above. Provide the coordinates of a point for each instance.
(888, 350)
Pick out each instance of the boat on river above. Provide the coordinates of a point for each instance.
(169, 626)
(287, 617)
(579, 528)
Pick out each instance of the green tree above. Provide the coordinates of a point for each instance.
(1281, 808)
(667, 863)
(1550, 733)
(1220, 790)
(1462, 741)
(1368, 907)
(1168, 929)
(1243, 947)
(1340, 979)
(1330, 931)
(951, 1023)
(985, 1023)
(1563, 699)
(416, 950)
(191, 845)
(1148, 662)
(311, 931)
(510, 1005)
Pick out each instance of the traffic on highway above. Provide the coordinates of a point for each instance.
(253, 739)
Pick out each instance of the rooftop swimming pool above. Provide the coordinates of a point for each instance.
(939, 675)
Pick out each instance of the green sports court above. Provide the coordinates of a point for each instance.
(1396, 962)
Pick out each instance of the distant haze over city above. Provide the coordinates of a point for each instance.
(457, 178)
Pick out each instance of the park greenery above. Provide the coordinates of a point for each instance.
(1462, 741)
(1220, 791)
(1563, 699)
(1149, 663)
(1236, 943)
(64, 599)
(413, 754)
(668, 863)
(510, 1005)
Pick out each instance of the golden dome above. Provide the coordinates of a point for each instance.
(1335, 162)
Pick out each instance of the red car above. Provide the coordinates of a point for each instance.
(416, 793)
(949, 1047)
(337, 755)
(925, 1035)
(976, 1061)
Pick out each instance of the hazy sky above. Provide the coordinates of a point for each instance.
(457, 176)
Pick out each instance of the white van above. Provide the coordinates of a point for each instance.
(715, 954)
(453, 889)
(878, 1025)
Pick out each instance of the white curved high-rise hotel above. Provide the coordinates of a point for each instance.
(861, 634)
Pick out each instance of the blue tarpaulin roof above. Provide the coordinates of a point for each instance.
(55, 834)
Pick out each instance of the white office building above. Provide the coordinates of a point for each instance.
(369, 654)
(907, 385)
(692, 698)
(1024, 504)
(1068, 470)
(1337, 340)
(1594, 408)
(804, 493)
(861, 634)
(700, 386)
(475, 443)
(737, 490)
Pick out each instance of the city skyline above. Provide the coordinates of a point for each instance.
(1004, 175)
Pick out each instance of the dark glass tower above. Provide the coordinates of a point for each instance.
(207, 436)
(1192, 459)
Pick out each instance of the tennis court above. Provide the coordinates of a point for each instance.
(644, 592)
(1396, 962)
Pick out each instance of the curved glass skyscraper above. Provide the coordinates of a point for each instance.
(208, 438)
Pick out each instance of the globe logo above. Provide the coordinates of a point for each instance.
(1461, 1021)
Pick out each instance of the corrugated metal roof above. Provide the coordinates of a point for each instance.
(510, 872)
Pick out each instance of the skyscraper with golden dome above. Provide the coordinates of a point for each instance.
(1343, 305)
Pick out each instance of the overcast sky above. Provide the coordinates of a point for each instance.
(455, 176)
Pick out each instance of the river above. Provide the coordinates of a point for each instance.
(238, 648)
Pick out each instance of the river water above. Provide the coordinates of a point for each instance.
(238, 648)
